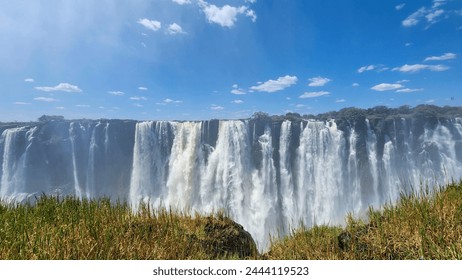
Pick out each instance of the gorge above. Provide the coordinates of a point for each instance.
(270, 174)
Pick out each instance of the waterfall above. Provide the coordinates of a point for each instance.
(288, 192)
(73, 135)
(150, 165)
(269, 176)
(12, 166)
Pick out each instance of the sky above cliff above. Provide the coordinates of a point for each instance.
(196, 59)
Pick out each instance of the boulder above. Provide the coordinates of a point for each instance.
(224, 237)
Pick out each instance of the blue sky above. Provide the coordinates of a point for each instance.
(197, 59)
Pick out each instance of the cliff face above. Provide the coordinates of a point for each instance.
(70, 158)
(268, 174)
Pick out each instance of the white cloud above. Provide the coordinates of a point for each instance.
(137, 105)
(318, 81)
(116, 93)
(60, 108)
(409, 90)
(153, 25)
(378, 68)
(175, 29)
(82, 106)
(21, 103)
(340, 100)
(46, 99)
(251, 14)
(402, 81)
(355, 85)
(138, 98)
(182, 2)
(408, 44)
(418, 67)
(446, 56)
(431, 17)
(410, 22)
(168, 100)
(430, 14)
(314, 94)
(276, 85)
(414, 18)
(216, 107)
(237, 101)
(29, 80)
(366, 68)
(61, 87)
(430, 101)
(142, 88)
(437, 3)
(385, 87)
(238, 91)
(400, 6)
(225, 16)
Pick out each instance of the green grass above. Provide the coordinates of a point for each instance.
(418, 226)
(72, 229)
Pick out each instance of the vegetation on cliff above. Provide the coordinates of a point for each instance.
(346, 114)
(353, 114)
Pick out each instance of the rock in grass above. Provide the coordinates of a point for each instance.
(224, 237)
(344, 241)
(348, 241)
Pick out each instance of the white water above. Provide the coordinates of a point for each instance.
(310, 172)
(316, 184)
(77, 186)
(11, 175)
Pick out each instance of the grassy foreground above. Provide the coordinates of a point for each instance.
(425, 226)
(72, 229)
